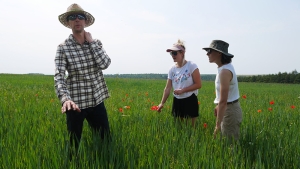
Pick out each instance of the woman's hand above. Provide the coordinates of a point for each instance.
(216, 111)
(178, 91)
(160, 106)
(217, 129)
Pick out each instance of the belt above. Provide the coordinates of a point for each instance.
(233, 101)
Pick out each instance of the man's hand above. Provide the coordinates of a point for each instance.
(68, 105)
(88, 36)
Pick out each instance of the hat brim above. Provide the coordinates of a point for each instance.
(227, 54)
(63, 18)
(173, 49)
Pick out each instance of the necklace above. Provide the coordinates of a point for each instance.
(184, 62)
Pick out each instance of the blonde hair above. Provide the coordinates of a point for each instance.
(181, 43)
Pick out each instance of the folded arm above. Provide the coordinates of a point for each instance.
(99, 54)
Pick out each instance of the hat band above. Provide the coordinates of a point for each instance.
(218, 48)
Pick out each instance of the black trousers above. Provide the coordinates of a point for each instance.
(96, 117)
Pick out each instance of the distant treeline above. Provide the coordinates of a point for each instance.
(207, 77)
(292, 77)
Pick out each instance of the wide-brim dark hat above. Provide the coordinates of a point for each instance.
(76, 9)
(220, 46)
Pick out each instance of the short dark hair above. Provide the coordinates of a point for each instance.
(225, 59)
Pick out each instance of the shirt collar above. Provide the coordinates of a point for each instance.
(71, 39)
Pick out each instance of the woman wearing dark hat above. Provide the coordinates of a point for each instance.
(184, 78)
(228, 110)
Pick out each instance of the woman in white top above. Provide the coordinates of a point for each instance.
(184, 78)
(228, 109)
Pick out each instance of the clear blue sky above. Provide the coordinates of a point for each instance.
(263, 34)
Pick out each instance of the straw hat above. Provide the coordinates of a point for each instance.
(75, 9)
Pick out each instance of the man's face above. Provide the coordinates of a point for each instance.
(77, 22)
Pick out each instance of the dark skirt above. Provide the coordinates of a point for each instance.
(186, 108)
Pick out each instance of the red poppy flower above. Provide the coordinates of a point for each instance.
(120, 110)
(205, 125)
(292, 106)
(270, 109)
(198, 102)
(126, 107)
(244, 96)
(272, 102)
(259, 111)
(154, 108)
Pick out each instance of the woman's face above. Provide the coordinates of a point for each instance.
(213, 56)
(177, 56)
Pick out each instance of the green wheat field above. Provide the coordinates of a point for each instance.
(33, 132)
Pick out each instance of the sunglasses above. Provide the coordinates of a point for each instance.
(209, 51)
(74, 16)
(173, 53)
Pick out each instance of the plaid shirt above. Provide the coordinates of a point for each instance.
(85, 84)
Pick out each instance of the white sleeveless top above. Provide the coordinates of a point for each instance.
(233, 88)
(182, 77)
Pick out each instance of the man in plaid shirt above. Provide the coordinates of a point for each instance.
(83, 92)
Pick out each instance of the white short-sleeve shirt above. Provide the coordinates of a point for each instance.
(182, 77)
